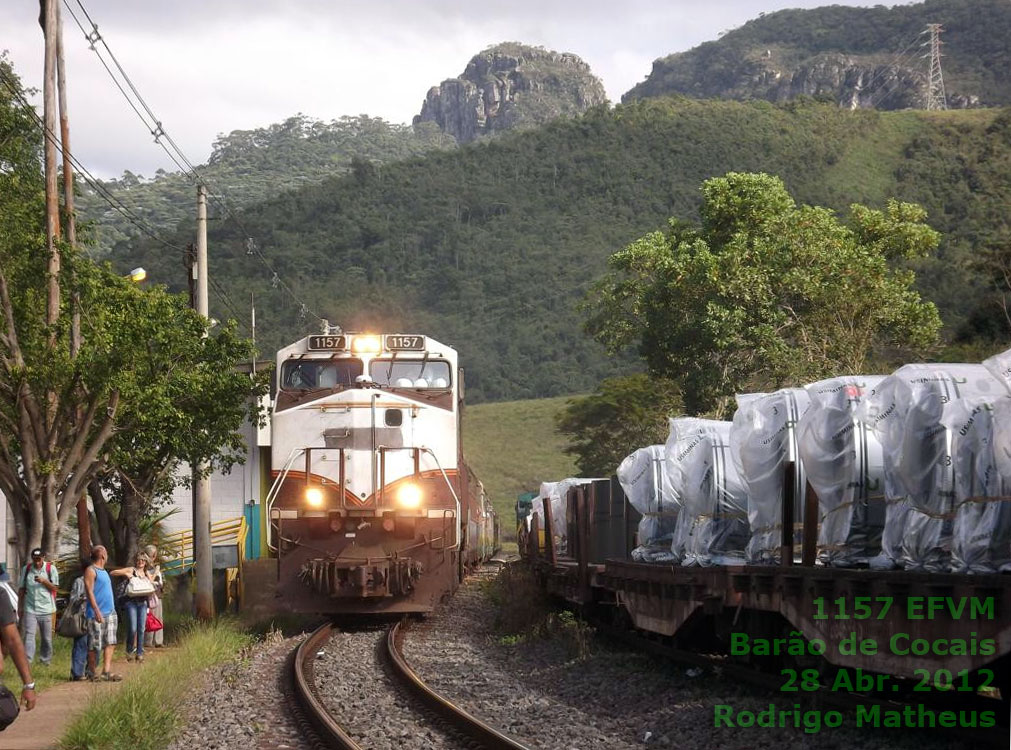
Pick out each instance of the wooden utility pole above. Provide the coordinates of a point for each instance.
(50, 32)
(83, 519)
(201, 482)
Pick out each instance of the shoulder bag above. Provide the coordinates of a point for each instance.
(9, 708)
(138, 587)
(74, 620)
(152, 624)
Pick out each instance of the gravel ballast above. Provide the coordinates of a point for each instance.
(539, 693)
(358, 689)
(240, 705)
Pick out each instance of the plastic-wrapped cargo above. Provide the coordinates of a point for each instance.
(556, 492)
(999, 365)
(912, 413)
(647, 480)
(713, 526)
(981, 532)
(763, 441)
(843, 462)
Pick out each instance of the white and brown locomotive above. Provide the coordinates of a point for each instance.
(372, 507)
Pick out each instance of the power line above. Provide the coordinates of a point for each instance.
(892, 64)
(175, 153)
(103, 192)
(108, 196)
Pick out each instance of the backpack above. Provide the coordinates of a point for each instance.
(49, 575)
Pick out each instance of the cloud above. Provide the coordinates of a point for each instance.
(212, 67)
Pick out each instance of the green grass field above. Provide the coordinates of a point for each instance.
(513, 447)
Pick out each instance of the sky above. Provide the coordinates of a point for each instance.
(209, 67)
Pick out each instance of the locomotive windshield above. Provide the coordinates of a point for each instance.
(311, 374)
(410, 373)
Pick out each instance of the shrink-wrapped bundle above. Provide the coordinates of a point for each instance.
(763, 440)
(713, 526)
(913, 415)
(843, 462)
(981, 533)
(556, 492)
(999, 365)
(647, 480)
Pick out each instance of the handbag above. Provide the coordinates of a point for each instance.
(153, 624)
(74, 620)
(9, 708)
(139, 587)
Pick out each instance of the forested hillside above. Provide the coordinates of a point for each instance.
(491, 246)
(856, 57)
(255, 165)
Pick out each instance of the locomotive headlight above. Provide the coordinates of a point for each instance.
(409, 496)
(366, 344)
(314, 496)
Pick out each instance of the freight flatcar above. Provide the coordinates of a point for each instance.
(373, 508)
(907, 630)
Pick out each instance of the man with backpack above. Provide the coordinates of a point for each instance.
(39, 583)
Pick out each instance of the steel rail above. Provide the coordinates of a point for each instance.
(324, 733)
(309, 711)
(456, 717)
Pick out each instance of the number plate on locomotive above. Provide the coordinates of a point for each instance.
(327, 343)
(398, 343)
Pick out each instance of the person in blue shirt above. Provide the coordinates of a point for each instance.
(101, 613)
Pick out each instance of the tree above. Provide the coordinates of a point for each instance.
(57, 408)
(622, 415)
(183, 400)
(766, 290)
(144, 390)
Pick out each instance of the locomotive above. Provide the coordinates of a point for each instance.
(372, 507)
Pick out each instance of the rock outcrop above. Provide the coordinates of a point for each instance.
(856, 57)
(511, 85)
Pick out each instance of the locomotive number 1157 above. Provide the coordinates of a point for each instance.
(405, 343)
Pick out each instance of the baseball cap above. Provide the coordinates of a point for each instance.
(37, 552)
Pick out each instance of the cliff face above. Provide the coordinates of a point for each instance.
(508, 86)
(856, 57)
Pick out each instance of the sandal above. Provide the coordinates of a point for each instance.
(110, 677)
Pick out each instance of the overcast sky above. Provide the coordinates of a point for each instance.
(211, 66)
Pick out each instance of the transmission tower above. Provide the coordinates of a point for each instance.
(936, 98)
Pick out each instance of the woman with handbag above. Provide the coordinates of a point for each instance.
(139, 587)
(152, 637)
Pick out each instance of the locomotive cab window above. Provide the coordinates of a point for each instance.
(312, 374)
(411, 373)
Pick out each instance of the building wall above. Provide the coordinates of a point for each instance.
(230, 492)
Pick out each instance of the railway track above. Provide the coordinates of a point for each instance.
(323, 730)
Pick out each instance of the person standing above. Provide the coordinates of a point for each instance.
(154, 602)
(79, 655)
(10, 640)
(135, 604)
(101, 613)
(39, 583)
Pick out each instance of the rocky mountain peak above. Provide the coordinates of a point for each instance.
(511, 85)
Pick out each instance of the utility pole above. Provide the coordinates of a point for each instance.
(83, 519)
(49, 27)
(201, 481)
(936, 98)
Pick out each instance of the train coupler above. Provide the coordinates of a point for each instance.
(344, 578)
